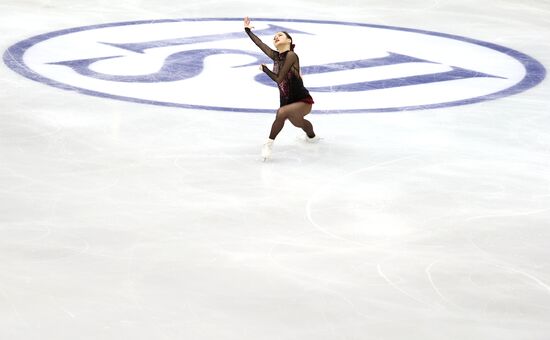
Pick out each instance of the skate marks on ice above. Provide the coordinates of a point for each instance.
(420, 248)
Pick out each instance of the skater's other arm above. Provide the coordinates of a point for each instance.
(291, 59)
(268, 51)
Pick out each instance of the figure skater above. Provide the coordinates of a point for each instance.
(295, 100)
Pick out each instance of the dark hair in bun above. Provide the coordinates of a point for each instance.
(289, 37)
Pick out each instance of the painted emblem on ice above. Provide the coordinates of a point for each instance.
(210, 64)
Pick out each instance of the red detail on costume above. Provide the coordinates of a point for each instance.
(308, 100)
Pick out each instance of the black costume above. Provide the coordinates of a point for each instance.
(286, 73)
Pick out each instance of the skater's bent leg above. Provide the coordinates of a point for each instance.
(296, 113)
(308, 128)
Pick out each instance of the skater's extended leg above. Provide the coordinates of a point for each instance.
(277, 126)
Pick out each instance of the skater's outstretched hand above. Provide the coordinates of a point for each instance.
(266, 49)
(247, 23)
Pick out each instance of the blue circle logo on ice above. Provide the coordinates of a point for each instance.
(211, 64)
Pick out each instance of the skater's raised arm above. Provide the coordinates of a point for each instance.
(290, 60)
(268, 51)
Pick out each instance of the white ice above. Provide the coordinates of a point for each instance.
(121, 220)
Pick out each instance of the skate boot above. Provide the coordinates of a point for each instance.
(313, 139)
(266, 150)
(305, 138)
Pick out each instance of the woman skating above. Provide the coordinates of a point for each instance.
(295, 100)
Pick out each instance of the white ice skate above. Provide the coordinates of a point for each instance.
(305, 138)
(266, 150)
(313, 140)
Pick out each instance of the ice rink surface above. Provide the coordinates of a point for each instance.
(122, 220)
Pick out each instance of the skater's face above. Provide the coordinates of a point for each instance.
(281, 40)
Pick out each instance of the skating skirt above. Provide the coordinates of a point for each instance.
(308, 100)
